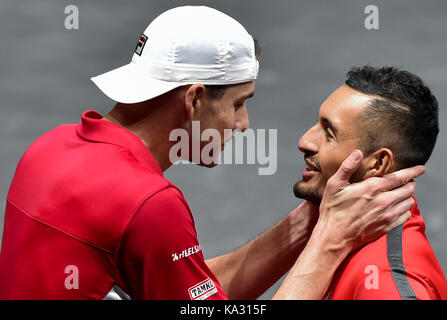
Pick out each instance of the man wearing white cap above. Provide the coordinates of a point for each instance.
(89, 214)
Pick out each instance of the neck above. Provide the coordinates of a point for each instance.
(151, 121)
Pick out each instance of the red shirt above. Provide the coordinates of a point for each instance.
(399, 265)
(89, 215)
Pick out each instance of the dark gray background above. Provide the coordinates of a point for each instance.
(308, 46)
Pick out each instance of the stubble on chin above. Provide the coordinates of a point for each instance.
(300, 191)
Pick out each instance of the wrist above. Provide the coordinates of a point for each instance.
(312, 272)
(298, 225)
(326, 244)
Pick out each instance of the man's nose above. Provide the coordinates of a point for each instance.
(308, 142)
(242, 122)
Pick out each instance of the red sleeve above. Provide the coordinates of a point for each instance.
(386, 288)
(159, 255)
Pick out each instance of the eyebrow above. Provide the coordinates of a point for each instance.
(329, 124)
(247, 96)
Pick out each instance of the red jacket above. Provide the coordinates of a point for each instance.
(89, 215)
(399, 265)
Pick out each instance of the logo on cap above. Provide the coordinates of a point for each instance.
(140, 44)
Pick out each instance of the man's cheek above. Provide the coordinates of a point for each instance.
(333, 165)
(328, 171)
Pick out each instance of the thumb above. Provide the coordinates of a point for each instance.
(346, 170)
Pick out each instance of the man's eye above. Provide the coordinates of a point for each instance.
(328, 135)
(238, 106)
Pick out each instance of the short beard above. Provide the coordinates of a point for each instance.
(306, 195)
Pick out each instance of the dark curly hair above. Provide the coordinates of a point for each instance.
(402, 116)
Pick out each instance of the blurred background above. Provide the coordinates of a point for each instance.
(307, 48)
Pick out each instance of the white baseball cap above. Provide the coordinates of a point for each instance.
(184, 45)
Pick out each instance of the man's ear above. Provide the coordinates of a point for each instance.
(194, 98)
(378, 163)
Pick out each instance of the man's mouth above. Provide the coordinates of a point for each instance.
(310, 170)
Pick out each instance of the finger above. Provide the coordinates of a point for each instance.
(401, 177)
(399, 221)
(400, 213)
(392, 197)
(346, 170)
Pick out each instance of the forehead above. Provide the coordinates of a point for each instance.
(343, 107)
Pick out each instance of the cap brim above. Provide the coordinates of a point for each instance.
(128, 84)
